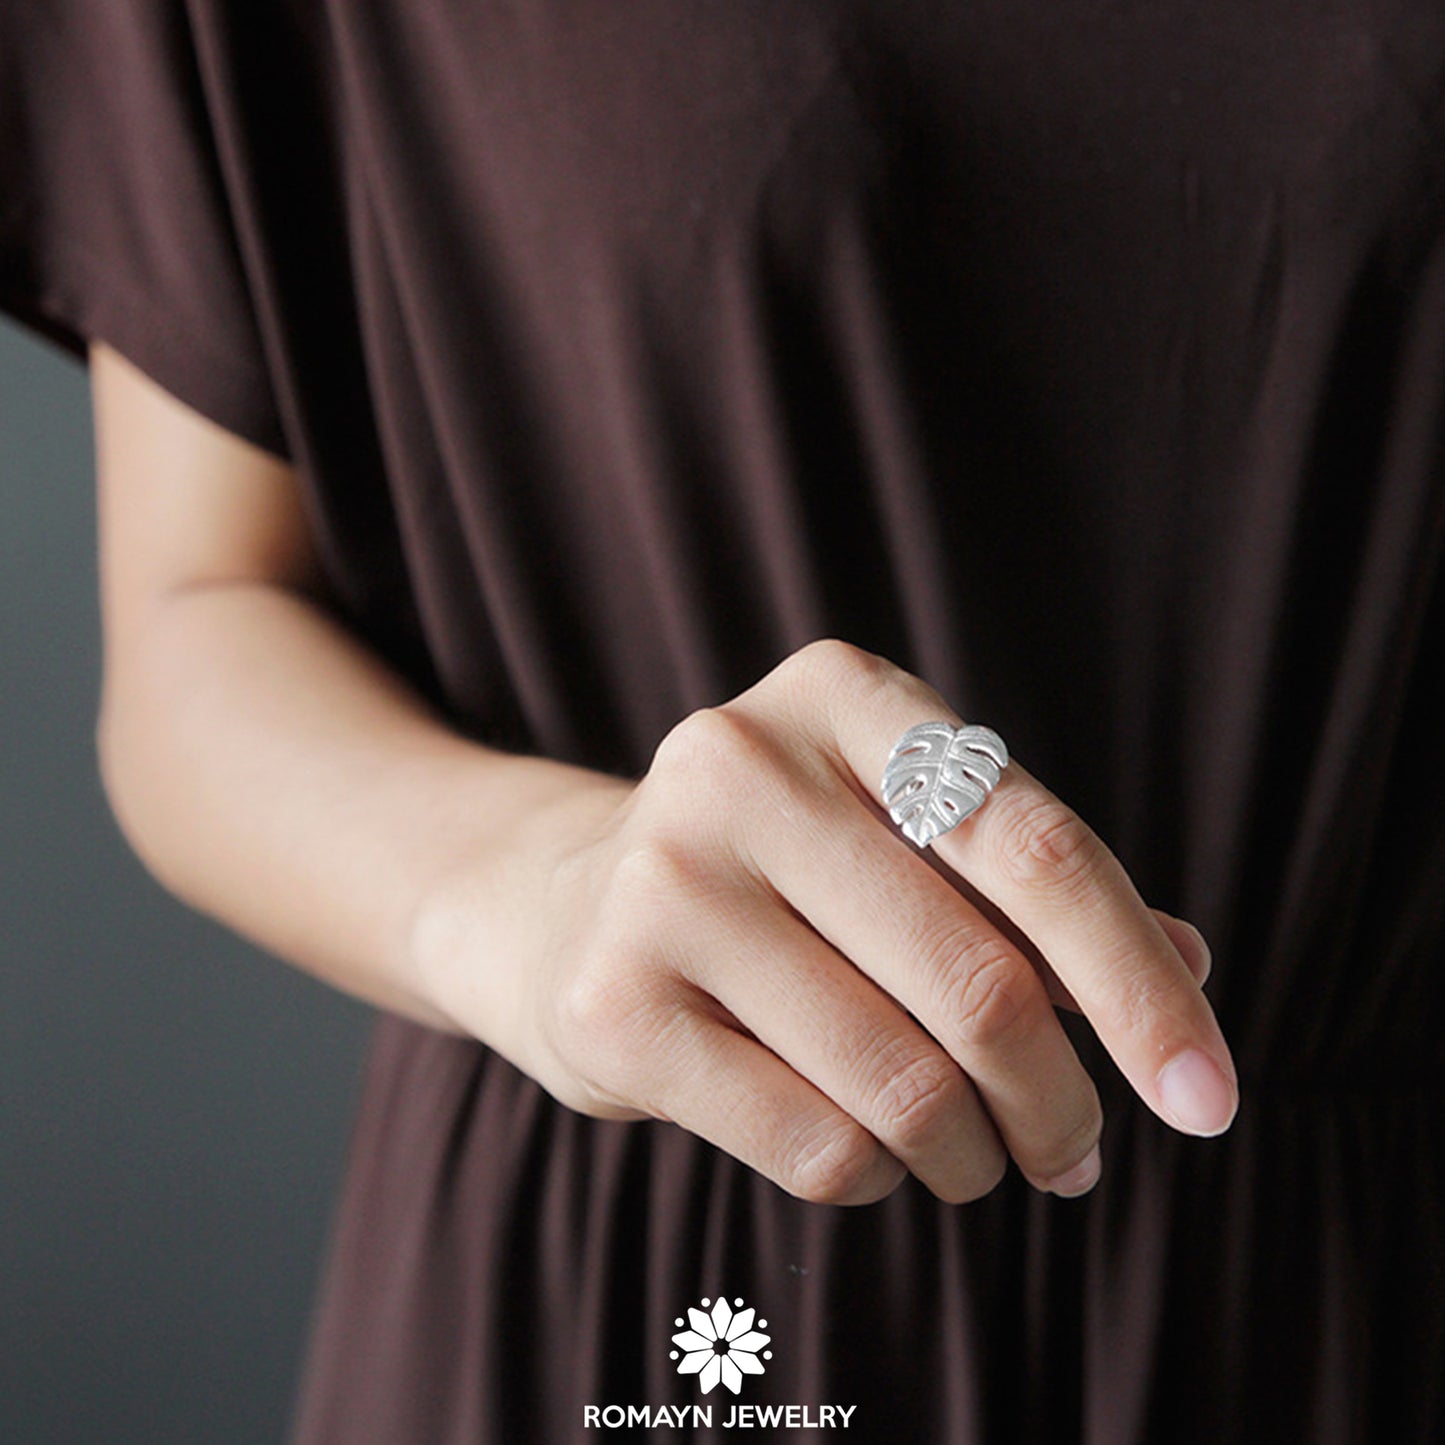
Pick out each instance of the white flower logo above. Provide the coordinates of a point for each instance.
(721, 1346)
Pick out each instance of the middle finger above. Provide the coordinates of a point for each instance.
(917, 937)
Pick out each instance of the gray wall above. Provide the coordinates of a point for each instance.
(174, 1106)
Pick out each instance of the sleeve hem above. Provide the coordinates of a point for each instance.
(219, 387)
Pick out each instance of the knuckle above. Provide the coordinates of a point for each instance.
(598, 1010)
(1148, 1005)
(853, 672)
(837, 1165)
(623, 1029)
(919, 1099)
(710, 766)
(1043, 844)
(651, 874)
(988, 995)
(836, 667)
(832, 654)
(939, 944)
(715, 745)
(649, 1060)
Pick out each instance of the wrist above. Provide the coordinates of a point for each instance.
(479, 928)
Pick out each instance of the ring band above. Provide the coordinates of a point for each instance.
(937, 775)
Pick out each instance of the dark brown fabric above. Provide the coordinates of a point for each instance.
(1087, 358)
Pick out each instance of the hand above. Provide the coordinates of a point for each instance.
(743, 943)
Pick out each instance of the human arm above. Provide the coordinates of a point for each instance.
(267, 767)
(808, 994)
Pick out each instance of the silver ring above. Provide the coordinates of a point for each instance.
(937, 775)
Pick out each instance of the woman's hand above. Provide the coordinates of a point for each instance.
(743, 943)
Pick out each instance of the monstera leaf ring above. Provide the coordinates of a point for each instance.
(937, 775)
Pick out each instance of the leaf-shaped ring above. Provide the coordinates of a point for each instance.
(937, 775)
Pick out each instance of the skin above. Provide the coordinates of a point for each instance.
(740, 941)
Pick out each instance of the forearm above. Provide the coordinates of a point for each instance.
(273, 773)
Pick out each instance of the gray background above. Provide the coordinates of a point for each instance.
(174, 1106)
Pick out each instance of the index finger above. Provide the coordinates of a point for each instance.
(1037, 860)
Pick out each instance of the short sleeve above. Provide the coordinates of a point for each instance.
(114, 219)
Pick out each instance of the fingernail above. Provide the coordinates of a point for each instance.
(1080, 1179)
(1196, 1095)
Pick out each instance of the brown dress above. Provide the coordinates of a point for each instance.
(1087, 358)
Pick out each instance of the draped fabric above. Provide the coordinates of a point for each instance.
(1087, 359)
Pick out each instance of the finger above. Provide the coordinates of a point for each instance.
(815, 1010)
(1041, 863)
(908, 929)
(727, 1088)
(1050, 873)
(1059, 996)
(1188, 942)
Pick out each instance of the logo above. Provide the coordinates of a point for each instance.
(722, 1346)
(725, 1342)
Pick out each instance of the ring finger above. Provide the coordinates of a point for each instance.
(810, 1006)
(911, 932)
